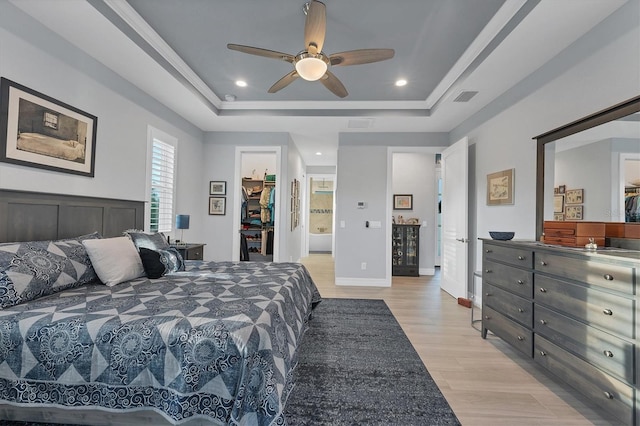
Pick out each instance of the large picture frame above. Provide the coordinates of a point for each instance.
(217, 205)
(500, 186)
(39, 131)
(403, 201)
(217, 187)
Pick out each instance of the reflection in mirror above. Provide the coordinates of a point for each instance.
(598, 154)
(603, 162)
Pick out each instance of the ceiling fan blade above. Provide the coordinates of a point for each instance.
(332, 83)
(361, 56)
(315, 27)
(283, 82)
(261, 52)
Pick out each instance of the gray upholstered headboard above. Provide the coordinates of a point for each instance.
(30, 216)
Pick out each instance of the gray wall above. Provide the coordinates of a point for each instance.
(33, 56)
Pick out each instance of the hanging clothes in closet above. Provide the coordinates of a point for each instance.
(265, 212)
(632, 207)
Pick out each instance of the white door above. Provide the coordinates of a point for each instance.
(454, 219)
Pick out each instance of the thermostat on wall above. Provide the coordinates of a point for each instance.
(362, 205)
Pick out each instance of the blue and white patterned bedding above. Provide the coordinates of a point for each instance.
(216, 342)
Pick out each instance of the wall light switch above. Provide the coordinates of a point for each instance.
(375, 224)
(362, 205)
(343, 224)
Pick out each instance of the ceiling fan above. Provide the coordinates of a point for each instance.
(312, 63)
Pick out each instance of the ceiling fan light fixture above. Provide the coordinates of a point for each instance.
(311, 67)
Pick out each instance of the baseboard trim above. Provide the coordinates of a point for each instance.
(363, 282)
(427, 271)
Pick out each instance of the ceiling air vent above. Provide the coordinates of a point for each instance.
(465, 96)
(364, 123)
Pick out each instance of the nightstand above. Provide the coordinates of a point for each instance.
(191, 251)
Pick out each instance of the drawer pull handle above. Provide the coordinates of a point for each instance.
(520, 257)
(608, 395)
(543, 263)
(520, 282)
(487, 317)
(520, 310)
(543, 353)
(608, 277)
(487, 294)
(543, 322)
(488, 271)
(488, 251)
(543, 290)
(608, 354)
(607, 311)
(520, 338)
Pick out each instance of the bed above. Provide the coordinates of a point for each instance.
(214, 343)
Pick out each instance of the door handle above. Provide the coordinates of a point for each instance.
(462, 240)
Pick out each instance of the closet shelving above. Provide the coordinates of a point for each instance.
(254, 233)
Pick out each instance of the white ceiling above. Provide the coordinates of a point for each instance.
(176, 52)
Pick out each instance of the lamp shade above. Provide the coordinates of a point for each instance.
(182, 221)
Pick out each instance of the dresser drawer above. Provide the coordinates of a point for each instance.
(508, 330)
(511, 255)
(612, 395)
(509, 304)
(615, 277)
(595, 307)
(601, 349)
(516, 280)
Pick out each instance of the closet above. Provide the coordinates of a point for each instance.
(257, 218)
(632, 204)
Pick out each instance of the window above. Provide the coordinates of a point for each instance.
(162, 185)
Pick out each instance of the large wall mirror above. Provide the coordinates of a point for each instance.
(587, 168)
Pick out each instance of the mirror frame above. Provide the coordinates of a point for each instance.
(615, 112)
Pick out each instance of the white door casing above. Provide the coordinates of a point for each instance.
(454, 219)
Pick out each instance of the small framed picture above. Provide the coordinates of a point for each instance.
(574, 196)
(558, 203)
(558, 216)
(500, 187)
(217, 205)
(573, 212)
(562, 189)
(402, 201)
(217, 187)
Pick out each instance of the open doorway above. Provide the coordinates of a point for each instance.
(255, 213)
(321, 208)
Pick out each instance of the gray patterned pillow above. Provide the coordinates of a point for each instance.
(155, 241)
(32, 269)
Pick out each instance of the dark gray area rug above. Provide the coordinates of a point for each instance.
(357, 367)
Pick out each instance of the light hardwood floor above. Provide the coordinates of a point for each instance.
(484, 381)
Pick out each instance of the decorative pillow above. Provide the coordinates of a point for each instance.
(32, 269)
(155, 241)
(115, 260)
(159, 262)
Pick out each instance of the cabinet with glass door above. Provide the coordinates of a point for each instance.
(405, 246)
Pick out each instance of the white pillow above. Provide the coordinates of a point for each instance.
(115, 260)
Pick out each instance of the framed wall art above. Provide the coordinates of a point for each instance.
(558, 216)
(500, 186)
(558, 203)
(574, 196)
(403, 201)
(217, 205)
(37, 130)
(217, 187)
(573, 212)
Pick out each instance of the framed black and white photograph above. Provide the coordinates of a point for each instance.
(37, 130)
(217, 205)
(217, 187)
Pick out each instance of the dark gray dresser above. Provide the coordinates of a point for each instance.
(574, 312)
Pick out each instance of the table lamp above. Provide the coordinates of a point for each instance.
(182, 223)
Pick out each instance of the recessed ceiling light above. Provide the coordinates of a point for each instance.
(401, 83)
(229, 97)
(241, 83)
(318, 153)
